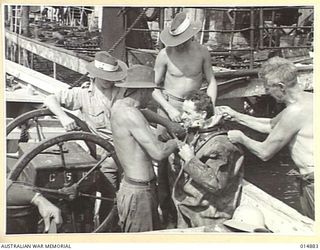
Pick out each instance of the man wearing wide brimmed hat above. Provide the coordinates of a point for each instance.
(180, 68)
(136, 147)
(93, 100)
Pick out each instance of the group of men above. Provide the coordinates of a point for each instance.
(191, 161)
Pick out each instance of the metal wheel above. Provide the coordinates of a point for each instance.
(30, 120)
(32, 117)
(76, 191)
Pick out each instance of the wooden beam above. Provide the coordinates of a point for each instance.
(66, 58)
(41, 82)
(21, 95)
(253, 72)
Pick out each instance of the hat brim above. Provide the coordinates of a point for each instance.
(244, 226)
(137, 85)
(117, 75)
(172, 41)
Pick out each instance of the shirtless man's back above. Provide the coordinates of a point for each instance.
(135, 142)
(136, 146)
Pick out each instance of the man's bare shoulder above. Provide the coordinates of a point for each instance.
(127, 115)
(294, 112)
(203, 49)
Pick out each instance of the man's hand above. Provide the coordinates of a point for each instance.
(176, 129)
(174, 114)
(186, 152)
(47, 211)
(68, 123)
(213, 121)
(164, 137)
(235, 136)
(227, 113)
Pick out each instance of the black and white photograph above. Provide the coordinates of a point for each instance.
(158, 119)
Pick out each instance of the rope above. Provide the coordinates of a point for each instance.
(128, 31)
(24, 134)
(76, 83)
(114, 46)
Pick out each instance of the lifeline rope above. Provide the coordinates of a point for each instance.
(115, 45)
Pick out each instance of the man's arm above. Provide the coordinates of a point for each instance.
(19, 194)
(24, 194)
(143, 134)
(288, 125)
(55, 107)
(208, 72)
(172, 127)
(205, 171)
(263, 125)
(160, 69)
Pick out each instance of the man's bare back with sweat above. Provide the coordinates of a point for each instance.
(135, 142)
(136, 147)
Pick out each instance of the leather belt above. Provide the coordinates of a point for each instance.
(139, 182)
(176, 98)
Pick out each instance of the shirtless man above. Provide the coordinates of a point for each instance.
(136, 146)
(94, 101)
(180, 68)
(293, 126)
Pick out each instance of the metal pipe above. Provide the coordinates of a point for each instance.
(288, 27)
(161, 25)
(233, 28)
(54, 70)
(251, 37)
(221, 31)
(265, 8)
(151, 30)
(288, 47)
(261, 26)
(272, 31)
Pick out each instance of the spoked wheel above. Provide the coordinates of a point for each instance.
(31, 119)
(68, 175)
(32, 127)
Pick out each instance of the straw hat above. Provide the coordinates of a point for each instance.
(180, 30)
(139, 77)
(107, 67)
(248, 219)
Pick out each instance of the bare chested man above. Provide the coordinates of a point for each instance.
(136, 146)
(181, 68)
(293, 126)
